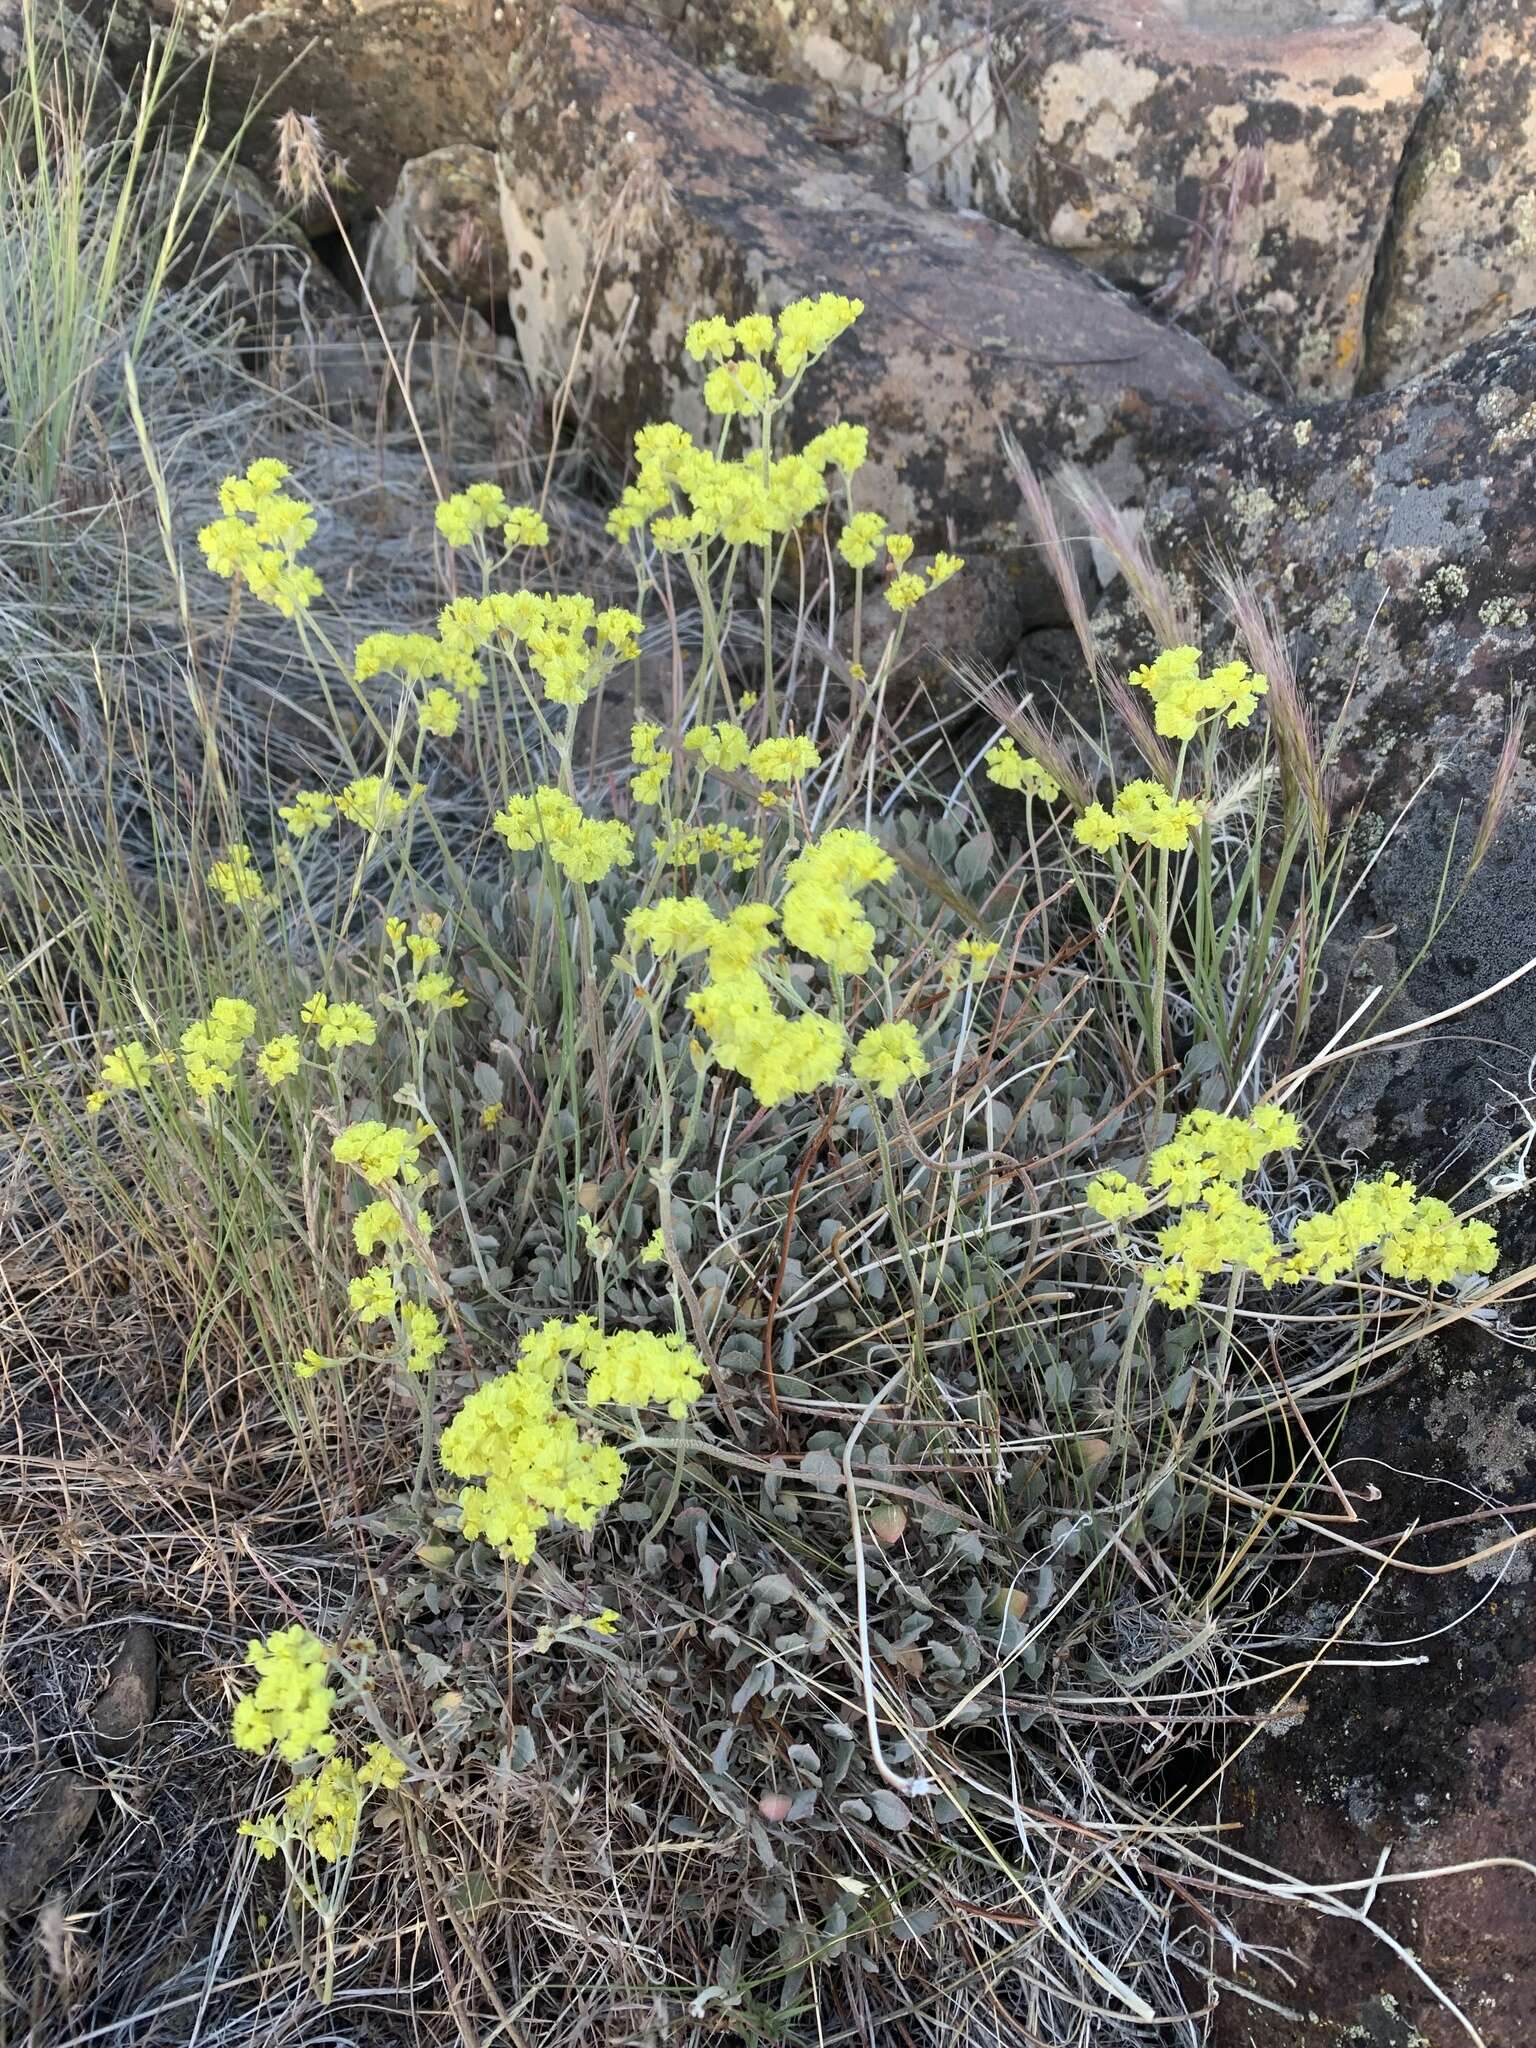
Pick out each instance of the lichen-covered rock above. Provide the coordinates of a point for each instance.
(640, 194)
(1237, 163)
(1397, 535)
(1422, 1747)
(1461, 255)
(855, 45)
(440, 235)
(384, 80)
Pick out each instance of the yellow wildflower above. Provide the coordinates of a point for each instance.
(238, 880)
(290, 1709)
(741, 388)
(722, 746)
(783, 760)
(888, 1056)
(372, 1294)
(524, 528)
(713, 339)
(1097, 829)
(1115, 1198)
(808, 327)
(338, 1025)
(438, 714)
(309, 812)
(381, 1153)
(1010, 769)
(470, 513)
(841, 447)
(1153, 818)
(279, 1059)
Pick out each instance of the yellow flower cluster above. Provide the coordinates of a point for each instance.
(261, 536)
(1200, 1171)
(1145, 812)
(1387, 1223)
(806, 329)
(238, 880)
(972, 958)
(584, 848)
(781, 1056)
(1184, 698)
(290, 1710)
(784, 758)
(677, 927)
(321, 1813)
(1223, 1231)
(777, 1056)
(906, 590)
(382, 1223)
(1115, 1198)
(381, 1154)
(821, 910)
(526, 1455)
(1010, 769)
(211, 1048)
(373, 805)
(125, 1070)
(279, 1059)
(687, 845)
(571, 645)
(690, 496)
(471, 513)
(652, 758)
(888, 1056)
(1208, 1146)
(338, 1025)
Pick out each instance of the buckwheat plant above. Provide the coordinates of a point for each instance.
(833, 1262)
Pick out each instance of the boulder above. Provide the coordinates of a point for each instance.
(1396, 534)
(1423, 1754)
(440, 235)
(383, 81)
(1460, 257)
(1237, 163)
(41, 1840)
(628, 169)
(854, 45)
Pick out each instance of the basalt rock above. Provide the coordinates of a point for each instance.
(383, 81)
(1397, 536)
(1461, 255)
(1418, 1754)
(640, 193)
(440, 235)
(1236, 163)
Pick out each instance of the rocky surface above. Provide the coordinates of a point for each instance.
(623, 163)
(1240, 169)
(1397, 534)
(1461, 255)
(1424, 1756)
(440, 235)
(40, 1841)
(384, 81)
